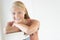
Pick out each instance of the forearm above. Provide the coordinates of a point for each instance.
(30, 30)
(23, 28)
(11, 30)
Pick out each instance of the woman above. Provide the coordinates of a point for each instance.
(22, 22)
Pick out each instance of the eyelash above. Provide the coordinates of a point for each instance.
(18, 13)
(13, 13)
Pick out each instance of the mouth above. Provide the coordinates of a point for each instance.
(17, 21)
(17, 18)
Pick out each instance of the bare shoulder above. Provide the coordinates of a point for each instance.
(35, 21)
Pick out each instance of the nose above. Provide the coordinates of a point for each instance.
(16, 15)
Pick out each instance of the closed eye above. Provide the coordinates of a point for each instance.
(13, 13)
(19, 12)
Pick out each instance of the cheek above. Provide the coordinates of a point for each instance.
(18, 16)
(21, 16)
(14, 17)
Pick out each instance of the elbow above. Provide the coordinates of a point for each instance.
(28, 32)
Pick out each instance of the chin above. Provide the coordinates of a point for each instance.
(18, 21)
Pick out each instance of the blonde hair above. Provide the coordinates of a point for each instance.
(21, 5)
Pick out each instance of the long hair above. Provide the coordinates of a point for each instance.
(21, 5)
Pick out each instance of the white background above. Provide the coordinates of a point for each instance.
(0, 19)
(46, 11)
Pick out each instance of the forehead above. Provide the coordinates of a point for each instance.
(15, 8)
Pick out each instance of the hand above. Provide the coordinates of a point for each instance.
(16, 25)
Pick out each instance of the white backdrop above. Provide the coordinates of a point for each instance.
(0, 19)
(46, 11)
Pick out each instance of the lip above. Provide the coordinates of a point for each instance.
(17, 21)
(17, 18)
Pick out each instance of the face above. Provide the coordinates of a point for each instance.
(18, 14)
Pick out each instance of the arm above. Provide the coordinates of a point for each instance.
(34, 27)
(10, 29)
(29, 29)
(34, 36)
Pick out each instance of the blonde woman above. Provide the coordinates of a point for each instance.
(22, 22)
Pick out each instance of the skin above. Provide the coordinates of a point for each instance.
(18, 15)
